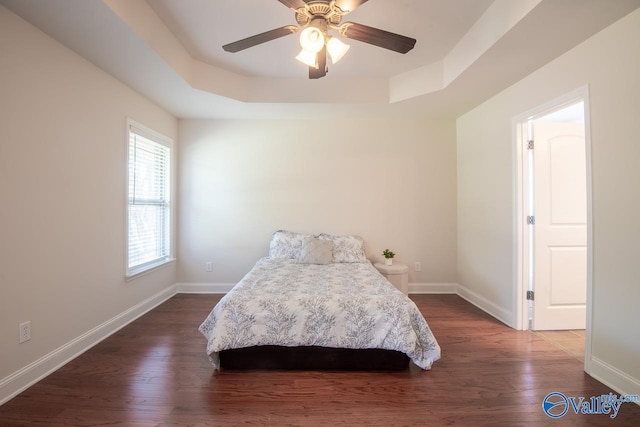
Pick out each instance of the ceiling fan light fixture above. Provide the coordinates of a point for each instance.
(337, 49)
(308, 57)
(312, 39)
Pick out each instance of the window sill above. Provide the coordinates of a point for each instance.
(134, 274)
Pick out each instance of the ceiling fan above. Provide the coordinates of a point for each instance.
(315, 18)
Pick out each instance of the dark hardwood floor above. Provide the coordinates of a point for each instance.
(154, 373)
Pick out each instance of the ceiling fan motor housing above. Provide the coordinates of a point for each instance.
(315, 9)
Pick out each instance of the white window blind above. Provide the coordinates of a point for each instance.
(149, 206)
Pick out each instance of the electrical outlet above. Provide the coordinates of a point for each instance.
(418, 267)
(25, 331)
(208, 266)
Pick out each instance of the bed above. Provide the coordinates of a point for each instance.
(316, 302)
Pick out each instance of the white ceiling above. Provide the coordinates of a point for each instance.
(203, 26)
(466, 52)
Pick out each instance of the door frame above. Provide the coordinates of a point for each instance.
(521, 244)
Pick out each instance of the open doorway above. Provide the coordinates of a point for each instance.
(553, 220)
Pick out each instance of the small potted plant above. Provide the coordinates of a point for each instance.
(388, 256)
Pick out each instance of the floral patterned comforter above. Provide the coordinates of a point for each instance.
(345, 305)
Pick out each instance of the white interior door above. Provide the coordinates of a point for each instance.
(560, 230)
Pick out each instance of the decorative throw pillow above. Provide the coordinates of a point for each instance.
(286, 244)
(316, 251)
(346, 248)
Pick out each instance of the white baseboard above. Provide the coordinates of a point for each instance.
(482, 303)
(35, 371)
(204, 288)
(614, 378)
(27, 376)
(505, 316)
(22, 379)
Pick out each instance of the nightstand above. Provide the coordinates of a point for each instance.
(397, 274)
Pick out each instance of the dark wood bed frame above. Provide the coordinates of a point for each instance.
(312, 358)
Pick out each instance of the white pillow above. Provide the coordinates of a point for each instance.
(316, 251)
(346, 248)
(286, 244)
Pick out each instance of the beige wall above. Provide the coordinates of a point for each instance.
(610, 64)
(391, 182)
(62, 189)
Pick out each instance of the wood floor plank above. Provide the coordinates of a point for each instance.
(154, 372)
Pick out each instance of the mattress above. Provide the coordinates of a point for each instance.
(285, 303)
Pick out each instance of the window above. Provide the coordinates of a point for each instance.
(149, 201)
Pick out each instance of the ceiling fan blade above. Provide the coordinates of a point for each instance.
(321, 71)
(260, 38)
(377, 37)
(293, 4)
(349, 5)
